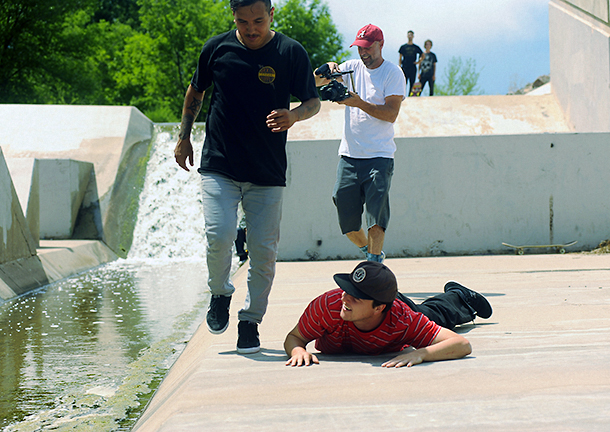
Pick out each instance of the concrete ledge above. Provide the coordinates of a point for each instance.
(64, 258)
(165, 405)
(56, 260)
(450, 116)
(600, 9)
(22, 275)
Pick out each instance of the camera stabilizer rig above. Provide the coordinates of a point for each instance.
(333, 91)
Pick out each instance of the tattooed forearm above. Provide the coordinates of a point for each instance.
(186, 125)
(189, 114)
(308, 109)
(311, 109)
(195, 106)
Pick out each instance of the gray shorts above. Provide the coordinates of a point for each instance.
(360, 182)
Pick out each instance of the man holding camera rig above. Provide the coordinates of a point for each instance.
(254, 71)
(367, 148)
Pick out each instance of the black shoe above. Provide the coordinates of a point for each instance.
(242, 256)
(218, 314)
(472, 299)
(248, 342)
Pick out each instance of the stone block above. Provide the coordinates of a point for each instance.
(62, 184)
(24, 173)
(16, 242)
(116, 140)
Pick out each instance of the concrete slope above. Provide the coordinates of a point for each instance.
(55, 260)
(451, 116)
(97, 134)
(116, 140)
(539, 363)
(15, 239)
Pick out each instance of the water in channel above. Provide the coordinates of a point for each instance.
(86, 353)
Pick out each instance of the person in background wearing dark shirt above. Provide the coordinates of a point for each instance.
(410, 55)
(427, 68)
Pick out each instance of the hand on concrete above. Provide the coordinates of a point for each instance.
(300, 357)
(409, 359)
(183, 153)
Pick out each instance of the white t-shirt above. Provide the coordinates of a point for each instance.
(365, 137)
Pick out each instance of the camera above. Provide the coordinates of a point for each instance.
(334, 91)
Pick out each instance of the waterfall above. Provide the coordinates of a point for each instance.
(170, 221)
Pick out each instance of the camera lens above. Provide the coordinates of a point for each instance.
(333, 91)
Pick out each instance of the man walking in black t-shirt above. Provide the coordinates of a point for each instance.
(410, 55)
(254, 71)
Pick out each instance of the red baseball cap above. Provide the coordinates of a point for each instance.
(368, 35)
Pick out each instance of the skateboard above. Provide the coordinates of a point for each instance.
(416, 90)
(558, 247)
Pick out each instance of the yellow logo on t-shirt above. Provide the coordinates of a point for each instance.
(266, 74)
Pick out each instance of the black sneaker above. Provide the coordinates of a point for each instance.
(218, 314)
(472, 298)
(247, 342)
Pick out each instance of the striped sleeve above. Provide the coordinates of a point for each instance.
(418, 331)
(318, 318)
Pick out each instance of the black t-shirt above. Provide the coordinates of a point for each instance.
(248, 85)
(427, 65)
(409, 55)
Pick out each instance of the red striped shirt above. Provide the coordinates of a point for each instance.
(401, 327)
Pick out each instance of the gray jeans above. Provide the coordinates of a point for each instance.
(263, 209)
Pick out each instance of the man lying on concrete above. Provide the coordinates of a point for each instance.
(367, 315)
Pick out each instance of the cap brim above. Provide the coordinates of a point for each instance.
(362, 43)
(343, 280)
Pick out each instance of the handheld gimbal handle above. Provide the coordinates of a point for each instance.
(324, 71)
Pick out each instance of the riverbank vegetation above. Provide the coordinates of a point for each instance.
(130, 52)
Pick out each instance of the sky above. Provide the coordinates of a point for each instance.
(508, 39)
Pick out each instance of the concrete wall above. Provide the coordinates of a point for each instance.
(23, 267)
(580, 61)
(450, 116)
(598, 8)
(116, 140)
(62, 184)
(15, 239)
(78, 171)
(29, 197)
(56, 260)
(20, 268)
(460, 195)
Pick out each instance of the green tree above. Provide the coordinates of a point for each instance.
(130, 52)
(460, 78)
(156, 64)
(310, 23)
(124, 11)
(39, 50)
(108, 55)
